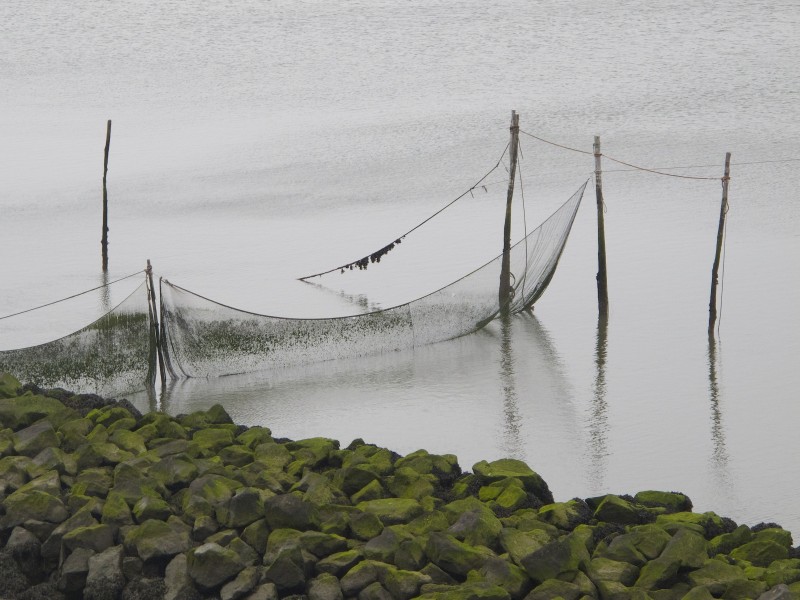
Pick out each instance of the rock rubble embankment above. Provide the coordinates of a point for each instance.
(98, 501)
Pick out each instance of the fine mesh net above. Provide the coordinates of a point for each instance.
(203, 338)
(114, 355)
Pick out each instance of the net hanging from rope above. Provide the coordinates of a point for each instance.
(113, 355)
(203, 338)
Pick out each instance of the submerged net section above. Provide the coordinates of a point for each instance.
(203, 338)
(114, 355)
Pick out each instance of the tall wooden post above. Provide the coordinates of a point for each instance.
(155, 324)
(602, 281)
(104, 240)
(723, 210)
(505, 269)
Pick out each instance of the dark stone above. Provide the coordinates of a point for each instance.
(74, 570)
(12, 579)
(288, 511)
(144, 589)
(26, 550)
(105, 580)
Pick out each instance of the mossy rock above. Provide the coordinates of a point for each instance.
(245, 507)
(372, 491)
(784, 571)
(116, 511)
(688, 547)
(745, 589)
(175, 471)
(289, 511)
(96, 481)
(31, 440)
(502, 573)
(555, 588)
(109, 414)
(453, 556)
(672, 502)
(351, 479)
(236, 455)
(566, 515)
(255, 436)
(408, 483)
(775, 534)
(362, 575)
(402, 584)
(726, 542)
(716, 575)
(711, 524)
(151, 507)
(128, 440)
(559, 557)
(33, 506)
(272, 456)
(155, 539)
(73, 433)
(48, 482)
(365, 525)
(18, 412)
(605, 569)
(392, 511)
(126, 424)
(489, 472)
(96, 537)
(58, 460)
(478, 527)
(100, 453)
(519, 544)
(613, 509)
(760, 553)
(211, 565)
(216, 489)
(340, 563)
(467, 591)
(312, 452)
(9, 386)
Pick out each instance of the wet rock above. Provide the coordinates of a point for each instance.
(562, 555)
(26, 550)
(605, 569)
(340, 563)
(178, 584)
(33, 505)
(105, 579)
(115, 511)
(144, 589)
(73, 572)
(51, 548)
(325, 587)
(96, 537)
(242, 585)
(487, 473)
(211, 565)
(155, 539)
(12, 579)
(453, 556)
(671, 502)
(361, 576)
(392, 511)
(779, 592)
(478, 527)
(289, 511)
(151, 507)
(35, 438)
(688, 547)
(506, 575)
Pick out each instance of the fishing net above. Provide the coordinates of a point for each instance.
(113, 355)
(203, 338)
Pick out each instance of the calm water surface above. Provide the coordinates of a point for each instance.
(256, 142)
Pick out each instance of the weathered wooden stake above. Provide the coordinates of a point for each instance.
(104, 240)
(505, 269)
(723, 210)
(602, 281)
(154, 321)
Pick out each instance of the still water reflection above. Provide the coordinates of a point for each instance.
(598, 420)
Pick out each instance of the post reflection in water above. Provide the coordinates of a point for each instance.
(512, 439)
(598, 419)
(719, 452)
(105, 293)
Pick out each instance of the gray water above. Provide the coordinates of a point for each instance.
(256, 142)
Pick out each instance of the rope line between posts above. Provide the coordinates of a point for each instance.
(22, 312)
(385, 249)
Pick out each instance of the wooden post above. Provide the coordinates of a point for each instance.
(723, 210)
(505, 269)
(156, 329)
(104, 239)
(602, 281)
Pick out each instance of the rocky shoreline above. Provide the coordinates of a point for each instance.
(102, 502)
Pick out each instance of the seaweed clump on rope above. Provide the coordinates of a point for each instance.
(375, 257)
